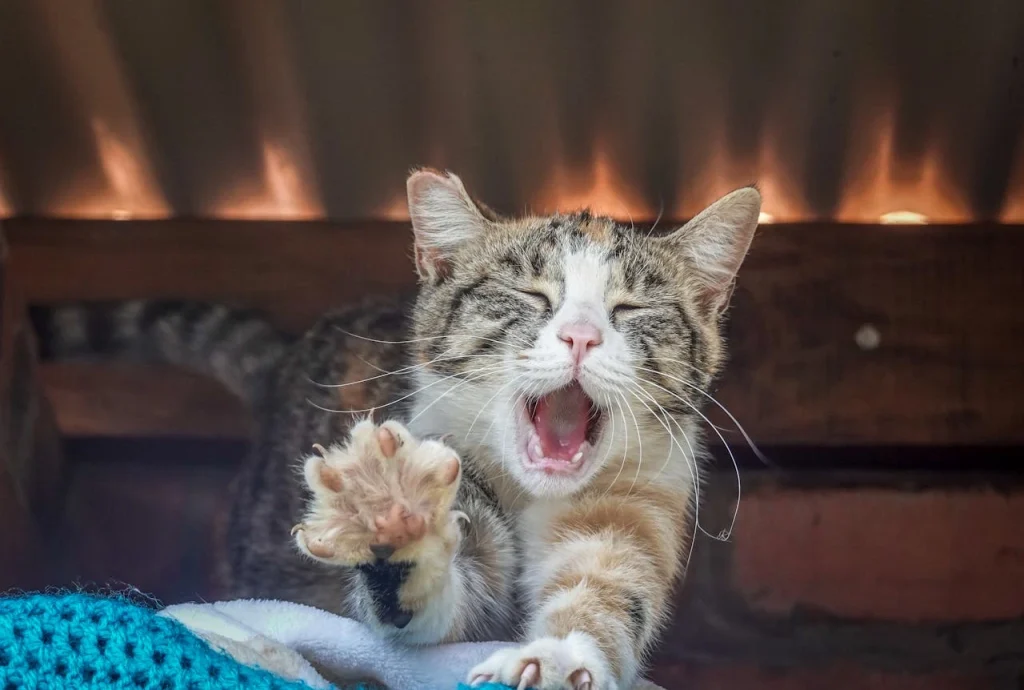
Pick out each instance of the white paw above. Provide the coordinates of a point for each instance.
(571, 663)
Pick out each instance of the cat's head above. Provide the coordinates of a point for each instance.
(569, 343)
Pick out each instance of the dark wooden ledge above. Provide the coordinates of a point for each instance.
(840, 334)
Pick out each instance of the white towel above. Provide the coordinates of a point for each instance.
(301, 642)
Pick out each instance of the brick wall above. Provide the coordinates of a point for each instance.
(835, 677)
(894, 580)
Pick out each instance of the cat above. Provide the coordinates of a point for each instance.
(513, 452)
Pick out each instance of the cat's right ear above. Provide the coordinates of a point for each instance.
(444, 217)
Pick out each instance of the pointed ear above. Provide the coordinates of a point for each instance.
(716, 241)
(444, 217)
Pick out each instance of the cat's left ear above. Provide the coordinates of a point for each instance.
(444, 217)
(715, 243)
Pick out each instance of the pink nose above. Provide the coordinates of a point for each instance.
(580, 337)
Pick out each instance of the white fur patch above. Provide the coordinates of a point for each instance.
(559, 661)
(434, 621)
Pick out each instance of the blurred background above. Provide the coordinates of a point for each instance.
(255, 151)
(845, 110)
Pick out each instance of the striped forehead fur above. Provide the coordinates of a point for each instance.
(484, 295)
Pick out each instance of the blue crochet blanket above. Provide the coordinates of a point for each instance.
(83, 641)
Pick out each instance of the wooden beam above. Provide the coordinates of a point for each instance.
(880, 335)
(122, 399)
(294, 270)
(839, 334)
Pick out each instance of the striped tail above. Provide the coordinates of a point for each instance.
(238, 348)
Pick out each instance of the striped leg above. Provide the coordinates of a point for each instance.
(604, 569)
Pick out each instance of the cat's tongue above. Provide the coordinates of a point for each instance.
(561, 420)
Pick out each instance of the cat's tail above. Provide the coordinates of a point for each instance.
(239, 348)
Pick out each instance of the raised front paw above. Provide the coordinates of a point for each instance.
(383, 504)
(571, 663)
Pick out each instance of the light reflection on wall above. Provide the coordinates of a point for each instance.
(880, 187)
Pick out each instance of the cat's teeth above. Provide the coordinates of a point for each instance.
(576, 458)
(535, 447)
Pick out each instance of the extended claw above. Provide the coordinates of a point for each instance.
(388, 442)
(330, 477)
(315, 547)
(450, 471)
(581, 680)
(529, 676)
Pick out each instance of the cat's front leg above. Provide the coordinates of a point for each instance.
(602, 571)
(428, 548)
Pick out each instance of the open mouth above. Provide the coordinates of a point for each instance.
(564, 425)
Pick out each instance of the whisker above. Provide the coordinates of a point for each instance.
(504, 444)
(364, 361)
(694, 472)
(488, 404)
(407, 395)
(692, 464)
(689, 365)
(458, 385)
(674, 441)
(640, 449)
(404, 370)
(625, 444)
(427, 338)
(732, 456)
(739, 427)
(661, 210)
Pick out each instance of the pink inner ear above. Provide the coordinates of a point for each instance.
(714, 299)
(429, 262)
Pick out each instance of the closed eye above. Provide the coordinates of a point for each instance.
(626, 309)
(539, 298)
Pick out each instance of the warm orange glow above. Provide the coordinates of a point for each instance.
(598, 187)
(127, 190)
(721, 174)
(1013, 207)
(80, 37)
(604, 191)
(115, 175)
(783, 201)
(879, 187)
(283, 195)
(903, 218)
(120, 182)
(134, 192)
(1013, 210)
(397, 209)
(286, 187)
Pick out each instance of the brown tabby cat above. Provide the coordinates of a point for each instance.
(547, 385)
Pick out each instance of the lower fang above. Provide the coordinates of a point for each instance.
(535, 447)
(576, 458)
